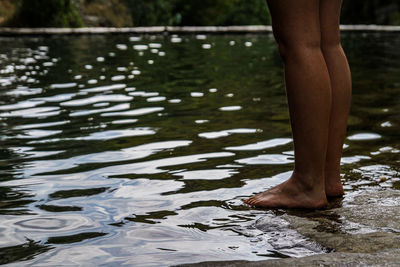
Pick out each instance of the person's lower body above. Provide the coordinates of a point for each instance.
(318, 88)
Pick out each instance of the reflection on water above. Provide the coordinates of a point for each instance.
(138, 149)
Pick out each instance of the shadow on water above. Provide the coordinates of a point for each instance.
(22, 252)
(139, 149)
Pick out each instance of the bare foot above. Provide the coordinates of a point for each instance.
(289, 194)
(333, 184)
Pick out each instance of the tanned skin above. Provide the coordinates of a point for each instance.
(318, 89)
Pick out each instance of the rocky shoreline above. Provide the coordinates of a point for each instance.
(364, 230)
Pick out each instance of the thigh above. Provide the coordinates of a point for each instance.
(295, 21)
(329, 13)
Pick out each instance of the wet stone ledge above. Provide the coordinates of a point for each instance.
(172, 29)
(382, 258)
(363, 229)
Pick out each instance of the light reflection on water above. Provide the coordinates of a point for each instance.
(139, 149)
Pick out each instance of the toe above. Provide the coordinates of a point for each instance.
(252, 201)
(248, 200)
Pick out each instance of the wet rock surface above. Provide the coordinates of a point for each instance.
(360, 229)
(384, 258)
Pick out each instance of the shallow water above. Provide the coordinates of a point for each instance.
(138, 149)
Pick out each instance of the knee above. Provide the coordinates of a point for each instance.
(330, 44)
(295, 43)
(295, 48)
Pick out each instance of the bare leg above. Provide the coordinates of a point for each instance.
(340, 77)
(297, 30)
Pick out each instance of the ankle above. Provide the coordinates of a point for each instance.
(332, 170)
(309, 182)
(332, 176)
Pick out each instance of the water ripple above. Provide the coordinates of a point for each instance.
(134, 112)
(112, 134)
(104, 111)
(261, 145)
(223, 133)
(33, 112)
(142, 150)
(105, 88)
(267, 159)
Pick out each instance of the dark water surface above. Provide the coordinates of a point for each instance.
(138, 150)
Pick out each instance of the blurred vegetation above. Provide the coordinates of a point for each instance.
(105, 13)
(221, 12)
(44, 13)
(152, 13)
(7, 8)
(123, 13)
(383, 12)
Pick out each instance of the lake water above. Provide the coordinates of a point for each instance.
(138, 150)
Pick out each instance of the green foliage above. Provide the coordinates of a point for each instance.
(385, 12)
(248, 13)
(106, 13)
(198, 12)
(45, 13)
(203, 12)
(119, 13)
(394, 18)
(152, 13)
(222, 12)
